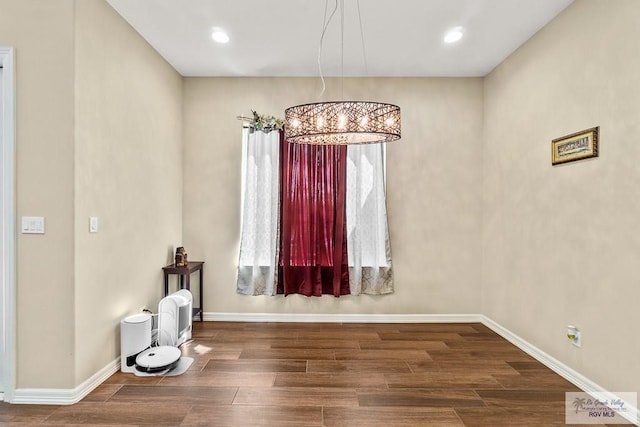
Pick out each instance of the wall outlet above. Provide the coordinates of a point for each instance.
(573, 334)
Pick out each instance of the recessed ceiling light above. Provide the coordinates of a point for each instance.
(453, 35)
(219, 35)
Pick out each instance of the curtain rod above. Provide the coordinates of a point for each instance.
(246, 121)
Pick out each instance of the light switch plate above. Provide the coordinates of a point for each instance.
(93, 224)
(32, 225)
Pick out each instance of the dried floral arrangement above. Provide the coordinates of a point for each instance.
(265, 123)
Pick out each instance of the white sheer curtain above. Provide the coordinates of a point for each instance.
(370, 270)
(257, 268)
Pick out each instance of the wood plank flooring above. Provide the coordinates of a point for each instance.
(288, 374)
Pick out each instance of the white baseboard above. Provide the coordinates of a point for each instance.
(55, 396)
(343, 318)
(558, 367)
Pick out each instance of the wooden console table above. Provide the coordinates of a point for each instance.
(185, 280)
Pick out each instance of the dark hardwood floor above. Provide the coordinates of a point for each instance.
(300, 374)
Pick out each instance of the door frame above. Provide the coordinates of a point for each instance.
(8, 225)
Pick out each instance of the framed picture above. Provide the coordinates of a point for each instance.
(577, 146)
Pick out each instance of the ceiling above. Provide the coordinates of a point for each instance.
(282, 37)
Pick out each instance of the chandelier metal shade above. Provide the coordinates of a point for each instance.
(342, 123)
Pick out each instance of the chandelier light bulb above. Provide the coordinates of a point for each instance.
(342, 121)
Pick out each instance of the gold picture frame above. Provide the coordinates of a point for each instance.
(577, 146)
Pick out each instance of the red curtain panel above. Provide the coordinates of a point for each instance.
(313, 238)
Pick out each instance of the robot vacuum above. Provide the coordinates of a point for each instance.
(158, 359)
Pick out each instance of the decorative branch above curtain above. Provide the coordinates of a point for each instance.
(314, 219)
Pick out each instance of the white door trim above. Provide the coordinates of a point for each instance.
(8, 225)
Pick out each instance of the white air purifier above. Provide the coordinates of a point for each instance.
(175, 318)
(135, 337)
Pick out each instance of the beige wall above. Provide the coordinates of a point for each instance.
(560, 243)
(434, 190)
(42, 34)
(128, 173)
(98, 134)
